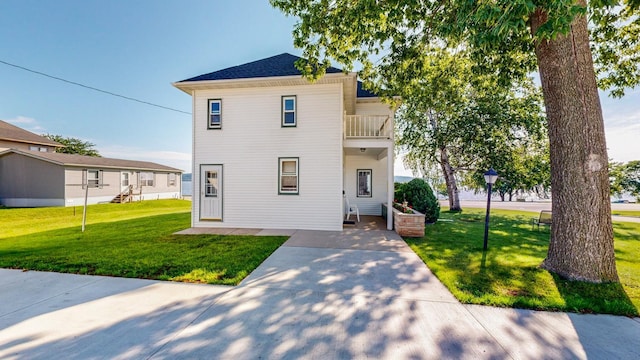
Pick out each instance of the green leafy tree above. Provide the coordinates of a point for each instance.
(456, 119)
(74, 145)
(523, 170)
(617, 178)
(632, 182)
(625, 178)
(507, 38)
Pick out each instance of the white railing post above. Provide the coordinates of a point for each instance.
(367, 126)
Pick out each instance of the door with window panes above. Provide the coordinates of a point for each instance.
(211, 192)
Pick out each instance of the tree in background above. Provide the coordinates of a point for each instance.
(625, 178)
(459, 120)
(523, 170)
(508, 38)
(74, 145)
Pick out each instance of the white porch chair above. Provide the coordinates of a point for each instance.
(352, 209)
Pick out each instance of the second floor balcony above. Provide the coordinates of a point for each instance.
(368, 127)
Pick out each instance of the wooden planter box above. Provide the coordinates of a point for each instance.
(409, 225)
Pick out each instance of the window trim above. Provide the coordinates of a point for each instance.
(370, 183)
(153, 179)
(175, 179)
(281, 160)
(85, 178)
(211, 126)
(217, 177)
(294, 111)
(122, 175)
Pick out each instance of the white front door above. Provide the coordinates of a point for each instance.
(211, 192)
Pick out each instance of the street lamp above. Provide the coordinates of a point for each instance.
(490, 178)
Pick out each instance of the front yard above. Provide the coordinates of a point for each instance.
(508, 274)
(128, 240)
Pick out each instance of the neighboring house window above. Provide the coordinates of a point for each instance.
(91, 177)
(364, 183)
(215, 114)
(125, 179)
(37, 148)
(289, 111)
(146, 178)
(288, 179)
(171, 181)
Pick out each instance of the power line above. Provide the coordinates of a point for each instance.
(92, 88)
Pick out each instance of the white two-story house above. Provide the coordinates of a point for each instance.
(272, 150)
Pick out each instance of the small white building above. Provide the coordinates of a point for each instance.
(272, 150)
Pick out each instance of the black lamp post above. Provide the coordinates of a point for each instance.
(490, 178)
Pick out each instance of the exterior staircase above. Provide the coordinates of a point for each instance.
(125, 195)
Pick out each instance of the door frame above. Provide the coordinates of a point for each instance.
(220, 193)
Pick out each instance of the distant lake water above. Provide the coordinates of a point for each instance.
(187, 188)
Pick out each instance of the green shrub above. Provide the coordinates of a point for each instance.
(420, 197)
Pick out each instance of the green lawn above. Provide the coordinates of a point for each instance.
(631, 213)
(508, 274)
(128, 240)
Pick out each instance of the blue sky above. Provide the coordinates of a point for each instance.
(137, 49)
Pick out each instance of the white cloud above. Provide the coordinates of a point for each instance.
(622, 142)
(27, 123)
(174, 159)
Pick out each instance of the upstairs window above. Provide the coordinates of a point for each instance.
(215, 114)
(289, 118)
(288, 176)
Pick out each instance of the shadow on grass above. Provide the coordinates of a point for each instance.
(508, 273)
(140, 248)
(586, 297)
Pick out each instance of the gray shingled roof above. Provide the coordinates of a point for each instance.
(13, 133)
(98, 162)
(279, 65)
(363, 93)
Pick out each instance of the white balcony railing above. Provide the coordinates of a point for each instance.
(368, 127)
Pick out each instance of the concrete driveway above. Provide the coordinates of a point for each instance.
(361, 293)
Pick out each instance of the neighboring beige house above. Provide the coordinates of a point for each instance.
(272, 150)
(14, 137)
(33, 179)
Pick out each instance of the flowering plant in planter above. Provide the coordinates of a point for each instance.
(404, 207)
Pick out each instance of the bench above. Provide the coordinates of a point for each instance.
(544, 219)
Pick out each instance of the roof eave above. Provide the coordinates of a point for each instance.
(122, 167)
(189, 86)
(31, 155)
(57, 144)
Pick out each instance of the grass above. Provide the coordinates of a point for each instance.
(128, 240)
(631, 213)
(508, 274)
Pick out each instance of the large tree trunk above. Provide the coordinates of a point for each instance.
(581, 246)
(447, 170)
(450, 181)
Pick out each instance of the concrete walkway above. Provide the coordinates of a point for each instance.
(360, 293)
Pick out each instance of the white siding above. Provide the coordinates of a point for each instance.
(372, 205)
(373, 108)
(251, 141)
